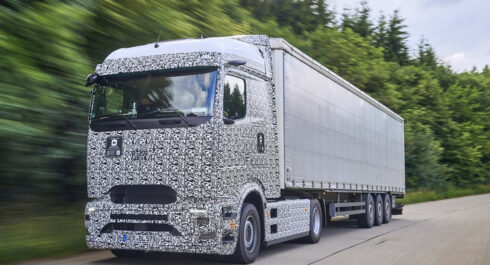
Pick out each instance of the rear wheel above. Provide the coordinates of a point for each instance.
(387, 208)
(124, 253)
(378, 210)
(249, 235)
(315, 222)
(366, 220)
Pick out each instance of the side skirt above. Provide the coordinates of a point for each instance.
(286, 220)
(284, 239)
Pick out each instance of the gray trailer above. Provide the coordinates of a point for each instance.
(224, 145)
(331, 134)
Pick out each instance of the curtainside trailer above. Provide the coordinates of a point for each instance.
(226, 145)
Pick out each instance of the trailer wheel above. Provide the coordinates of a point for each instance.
(378, 210)
(366, 220)
(124, 253)
(249, 235)
(387, 208)
(315, 222)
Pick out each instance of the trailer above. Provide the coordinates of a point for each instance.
(225, 145)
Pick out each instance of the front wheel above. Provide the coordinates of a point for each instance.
(249, 235)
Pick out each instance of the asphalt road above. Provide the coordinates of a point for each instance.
(455, 231)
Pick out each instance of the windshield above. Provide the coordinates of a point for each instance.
(156, 94)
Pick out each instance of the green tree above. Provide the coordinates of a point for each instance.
(422, 156)
(362, 24)
(323, 15)
(395, 46)
(380, 32)
(426, 55)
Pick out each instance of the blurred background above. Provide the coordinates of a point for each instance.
(47, 48)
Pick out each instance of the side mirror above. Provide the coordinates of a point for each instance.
(91, 79)
(236, 62)
(228, 121)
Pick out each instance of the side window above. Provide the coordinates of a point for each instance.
(234, 98)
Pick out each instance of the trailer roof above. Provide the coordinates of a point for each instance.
(281, 44)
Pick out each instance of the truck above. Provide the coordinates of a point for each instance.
(227, 145)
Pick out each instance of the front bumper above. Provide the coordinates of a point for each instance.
(167, 228)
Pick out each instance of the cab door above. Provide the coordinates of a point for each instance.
(248, 132)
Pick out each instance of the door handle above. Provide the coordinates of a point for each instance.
(260, 143)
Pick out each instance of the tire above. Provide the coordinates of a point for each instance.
(387, 208)
(123, 253)
(366, 220)
(378, 210)
(315, 222)
(249, 235)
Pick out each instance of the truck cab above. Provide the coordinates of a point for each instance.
(181, 133)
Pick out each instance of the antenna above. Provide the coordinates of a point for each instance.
(158, 39)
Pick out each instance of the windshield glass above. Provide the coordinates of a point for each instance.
(156, 94)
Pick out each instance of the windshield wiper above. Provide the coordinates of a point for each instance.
(169, 110)
(110, 116)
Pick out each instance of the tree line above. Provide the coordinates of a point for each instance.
(48, 47)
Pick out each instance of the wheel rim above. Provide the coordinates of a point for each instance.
(380, 210)
(316, 221)
(388, 208)
(250, 233)
(371, 212)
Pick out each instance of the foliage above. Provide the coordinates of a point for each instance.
(359, 22)
(423, 195)
(48, 47)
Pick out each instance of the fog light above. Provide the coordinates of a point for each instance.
(208, 236)
(228, 237)
(202, 221)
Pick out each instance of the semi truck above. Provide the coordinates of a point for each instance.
(227, 145)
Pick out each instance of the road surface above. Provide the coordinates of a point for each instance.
(455, 231)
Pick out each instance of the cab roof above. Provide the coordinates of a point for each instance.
(228, 45)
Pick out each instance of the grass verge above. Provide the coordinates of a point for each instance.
(29, 236)
(417, 196)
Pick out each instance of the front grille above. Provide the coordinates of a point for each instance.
(143, 194)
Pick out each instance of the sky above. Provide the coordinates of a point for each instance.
(458, 30)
